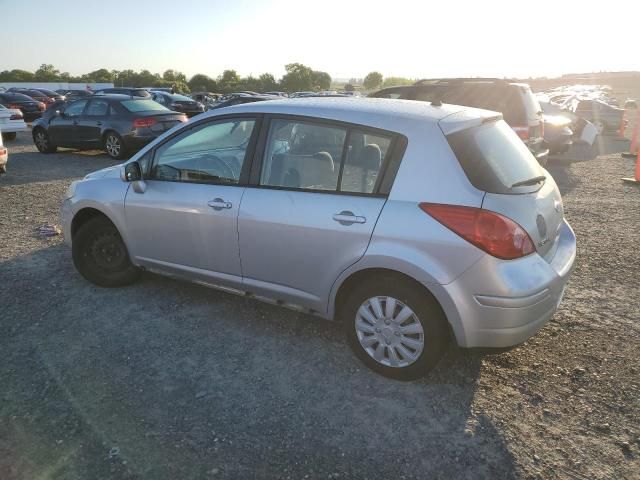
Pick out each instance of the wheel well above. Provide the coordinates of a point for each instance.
(107, 132)
(83, 216)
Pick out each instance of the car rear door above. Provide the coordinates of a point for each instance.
(310, 208)
(182, 219)
(90, 123)
(63, 128)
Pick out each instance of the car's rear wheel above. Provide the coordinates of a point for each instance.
(100, 255)
(396, 328)
(114, 146)
(42, 141)
(8, 136)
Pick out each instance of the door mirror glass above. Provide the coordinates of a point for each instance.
(132, 172)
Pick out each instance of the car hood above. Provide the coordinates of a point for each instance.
(109, 172)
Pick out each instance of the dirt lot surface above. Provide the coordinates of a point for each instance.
(167, 380)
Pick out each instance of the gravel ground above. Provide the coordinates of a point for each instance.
(167, 380)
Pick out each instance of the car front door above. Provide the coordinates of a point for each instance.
(63, 128)
(184, 220)
(90, 123)
(310, 209)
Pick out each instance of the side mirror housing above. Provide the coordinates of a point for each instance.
(132, 172)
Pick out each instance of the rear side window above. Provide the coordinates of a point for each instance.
(143, 106)
(494, 158)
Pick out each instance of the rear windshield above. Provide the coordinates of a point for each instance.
(494, 158)
(143, 106)
(16, 97)
(180, 98)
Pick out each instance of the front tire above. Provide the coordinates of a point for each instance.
(100, 255)
(114, 146)
(42, 141)
(395, 327)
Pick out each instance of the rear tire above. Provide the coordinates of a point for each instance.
(100, 255)
(9, 136)
(407, 343)
(114, 146)
(42, 141)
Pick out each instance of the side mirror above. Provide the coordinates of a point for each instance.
(132, 172)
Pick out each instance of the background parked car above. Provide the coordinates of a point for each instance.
(11, 122)
(515, 101)
(55, 96)
(35, 94)
(30, 108)
(237, 100)
(557, 133)
(132, 92)
(71, 95)
(119, 124)
(606, 118)
(178, 103)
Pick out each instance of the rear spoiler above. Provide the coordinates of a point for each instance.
(467, 118)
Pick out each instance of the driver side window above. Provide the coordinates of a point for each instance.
(210, 153)
(75, 109)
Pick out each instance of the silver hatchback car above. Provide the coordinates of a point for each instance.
(412, 223)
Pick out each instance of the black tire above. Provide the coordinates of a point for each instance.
(42, 142)
(114, 146)
(100, 255)
(427, 312)
(9, 136)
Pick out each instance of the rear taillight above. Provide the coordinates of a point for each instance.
(41, 106)
(496, 234)
(183, 118)
(15, 106)
(144, 122)
(523, 132)
(3, 151)
(16, 116)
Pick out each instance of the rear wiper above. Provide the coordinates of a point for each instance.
(531, 181)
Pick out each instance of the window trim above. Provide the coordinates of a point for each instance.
(249, 154)
(388, 169)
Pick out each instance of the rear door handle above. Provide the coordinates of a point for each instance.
(347, 218)
(219, 204)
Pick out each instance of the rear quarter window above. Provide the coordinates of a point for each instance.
(494, 158)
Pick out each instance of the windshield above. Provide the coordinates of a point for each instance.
(181, 98)
(143, 106)
(494, 158)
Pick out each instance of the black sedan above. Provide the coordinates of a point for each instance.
(178, 103)
(54, 96)
(37, 95)
(237, 100)
(30, 108)
(118, 124)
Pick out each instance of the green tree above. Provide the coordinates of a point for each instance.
(297, 78)
(349, 87)
(228, 81)
(267, 82)
(320, 80)
(393, 81)
(174, 76)
(372, 80)
(47, 73)
(99, 76)
(202, 83)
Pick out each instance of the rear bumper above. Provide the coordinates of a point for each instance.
(498, 303)
(14, 127)
(136, 142)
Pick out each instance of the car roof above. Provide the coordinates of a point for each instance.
(383, 113)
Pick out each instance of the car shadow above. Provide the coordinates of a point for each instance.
(165, 379)
(30, 167)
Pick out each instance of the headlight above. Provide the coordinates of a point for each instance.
(71, 191)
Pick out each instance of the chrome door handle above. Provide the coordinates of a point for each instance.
(347, 218)
(219, 204)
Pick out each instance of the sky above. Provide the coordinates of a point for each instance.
(346, 38)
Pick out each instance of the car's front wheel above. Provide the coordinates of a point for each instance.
(114, 146)
(100, 255)
(42, 141)
(395, 327)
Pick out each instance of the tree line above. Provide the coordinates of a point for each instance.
(298, 77)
